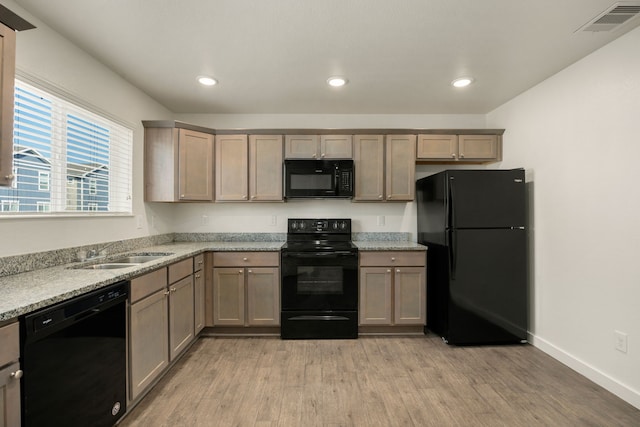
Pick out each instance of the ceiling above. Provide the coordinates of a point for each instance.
(274, 56)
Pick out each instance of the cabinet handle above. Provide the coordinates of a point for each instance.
(314, 156)
(17, 374)
(393, 259)
(10, 177)
(182, 196)
(197, 276)
(461, 156)
(453, 155)
(245, 259)
(322, 155)
(253, 197)
(173, 289)
(249, 271)
(240, 271)
(200, 262)
(167, 293)
(398, 271)
(388, 271)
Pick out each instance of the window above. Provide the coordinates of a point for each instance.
(67, 160)
(43, 181)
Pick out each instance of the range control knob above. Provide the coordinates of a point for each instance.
(302, 225)
(335, 225)
(294, 225)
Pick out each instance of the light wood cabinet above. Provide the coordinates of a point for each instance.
(178, 165)
(392, 288)
(161, 322)
(246, 289)
(249, 169)
(7, 75)
(10, 374)
(384, 167)
(318, 147)
(199, 293)
(459, 148)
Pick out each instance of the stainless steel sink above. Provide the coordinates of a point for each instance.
(136, 259)
(125, 261)
(108, 266)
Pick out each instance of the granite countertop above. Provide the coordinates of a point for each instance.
(384, 245)
(26, 292)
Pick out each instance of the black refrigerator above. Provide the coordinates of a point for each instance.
(474, 224)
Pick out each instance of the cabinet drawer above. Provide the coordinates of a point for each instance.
(10, 339)
(246, 259)
(391, 258)
(180, 269)
(198, 262)
(148, 284)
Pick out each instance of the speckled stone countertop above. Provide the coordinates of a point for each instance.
(400, 245)
(29, 291)
(26, 292)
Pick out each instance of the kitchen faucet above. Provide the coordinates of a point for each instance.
(95, 253)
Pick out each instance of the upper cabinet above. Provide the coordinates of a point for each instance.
(178, 165)
(384, 167)
(249, 169)
(9, 23)
(7, 73)
(318, 147)
(459, 148)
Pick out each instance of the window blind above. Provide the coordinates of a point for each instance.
(66, 159)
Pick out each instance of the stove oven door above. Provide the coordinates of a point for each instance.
(319, 281)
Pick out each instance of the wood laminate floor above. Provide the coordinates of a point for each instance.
(383, 381)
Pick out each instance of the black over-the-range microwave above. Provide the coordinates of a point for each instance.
(320, 179)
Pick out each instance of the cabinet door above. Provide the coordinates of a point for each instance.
(263, 297)
(195, 165)
(336, 147)
(265, 167)
(148, 341)
(9, 396)
(7, 73)
(228, 296)
(375, 295)
(232, 168)
(478, 147)
(400, 167)
(409, 296)
(181, 330)
(199, 301)
(368, 153)
(301, 147)
(437, 147)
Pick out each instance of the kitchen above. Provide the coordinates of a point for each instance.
(572, 132)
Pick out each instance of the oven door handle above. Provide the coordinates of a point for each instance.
(309, 317)
(336, 254)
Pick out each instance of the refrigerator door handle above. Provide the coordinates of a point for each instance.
(452, 206)
(453, 252)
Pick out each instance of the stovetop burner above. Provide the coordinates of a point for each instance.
(319, 235)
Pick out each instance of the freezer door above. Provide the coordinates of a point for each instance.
(486, 198)
(487, 287)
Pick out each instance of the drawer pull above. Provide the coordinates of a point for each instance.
(17, 374)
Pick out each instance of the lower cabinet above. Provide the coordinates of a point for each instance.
(199, 293)
(246, 289)
(392, 288)
(10, 374)
(161, 322)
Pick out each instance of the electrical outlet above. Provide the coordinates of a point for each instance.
(273, 220)
(380, 220)
(205, 220)
(138, 221)
(620, 341)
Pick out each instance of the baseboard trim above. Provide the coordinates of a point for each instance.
(609, 383)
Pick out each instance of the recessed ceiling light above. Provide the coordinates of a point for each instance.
(207, 81)
(337, 81)
(462, 82)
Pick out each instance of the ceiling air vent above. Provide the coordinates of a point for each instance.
(614, 17)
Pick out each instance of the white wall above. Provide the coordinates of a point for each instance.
(578, 135)
(46, 56)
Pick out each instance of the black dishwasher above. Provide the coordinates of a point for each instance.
(74, 361)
